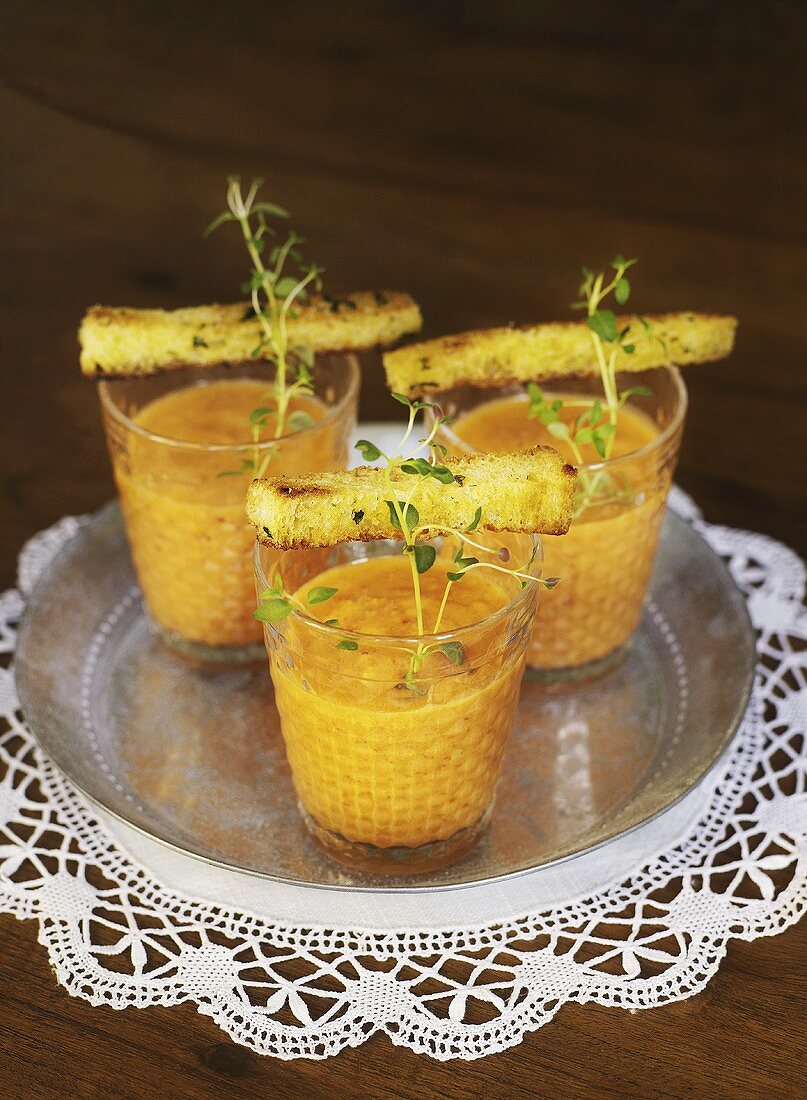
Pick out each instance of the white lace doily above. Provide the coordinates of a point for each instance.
(118, 934)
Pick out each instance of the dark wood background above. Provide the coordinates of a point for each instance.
(475, 154)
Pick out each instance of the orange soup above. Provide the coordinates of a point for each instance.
(184, 505)
(605, 560)
(374, 761)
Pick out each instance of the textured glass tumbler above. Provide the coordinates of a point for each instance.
(390, 778)
(605, 560)
(184, 509)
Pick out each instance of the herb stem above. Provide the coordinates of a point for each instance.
(279, 291)
(442, 607)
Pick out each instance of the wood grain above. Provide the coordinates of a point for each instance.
(475, 155)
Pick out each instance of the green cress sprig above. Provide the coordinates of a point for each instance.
(420, 553)
(276, 604)
(596, 425)
(279, 280)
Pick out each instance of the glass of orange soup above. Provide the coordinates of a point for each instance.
(395, 741)
(605, 560)
(183, 454)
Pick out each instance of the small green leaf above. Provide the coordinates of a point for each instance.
(622, 291)
(464, 564)
(304, 376)
(629, 349)
(285, 286)
(417, 466)
(331, 622)
(599, 436)
(320, 594)
(257, 280)
(559, 429)
(270, 208)
(472, 526)
(443, 475)
(259, 415)
(536, 400)
(638, 391)
(603, 324)
(411, 515)
(417, 404)
(454, 651)
(272, 611)
(428, 469)
(424, 556)
(220, 220)
(259, 348)
(347, 644)
(619, 261)
(584, 436)
(368, 450)
(298, 421)
(246, 464)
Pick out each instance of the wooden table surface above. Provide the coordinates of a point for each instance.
(476, 155)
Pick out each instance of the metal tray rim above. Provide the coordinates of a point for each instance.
(24, 695)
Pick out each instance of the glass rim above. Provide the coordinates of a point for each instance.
(333, 412)
(458, 633)
(655, 444)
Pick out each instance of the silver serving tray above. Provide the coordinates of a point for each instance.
(193, 756)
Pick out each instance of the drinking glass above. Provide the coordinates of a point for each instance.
(605, 560)
(183, 502)
(390, 776)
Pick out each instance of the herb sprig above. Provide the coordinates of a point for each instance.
(596, 424)
(470, 554)
(606, 336)
(279, 281)
(276, 603)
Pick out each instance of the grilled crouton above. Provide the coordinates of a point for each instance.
(502, 356)
(524, 491)
(121, 341)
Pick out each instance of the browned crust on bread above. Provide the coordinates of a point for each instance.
(118, 341)
(517, 354)
(522, 491)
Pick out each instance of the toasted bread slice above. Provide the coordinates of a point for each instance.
(121, 341)
(503, 356)
(524, 491)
